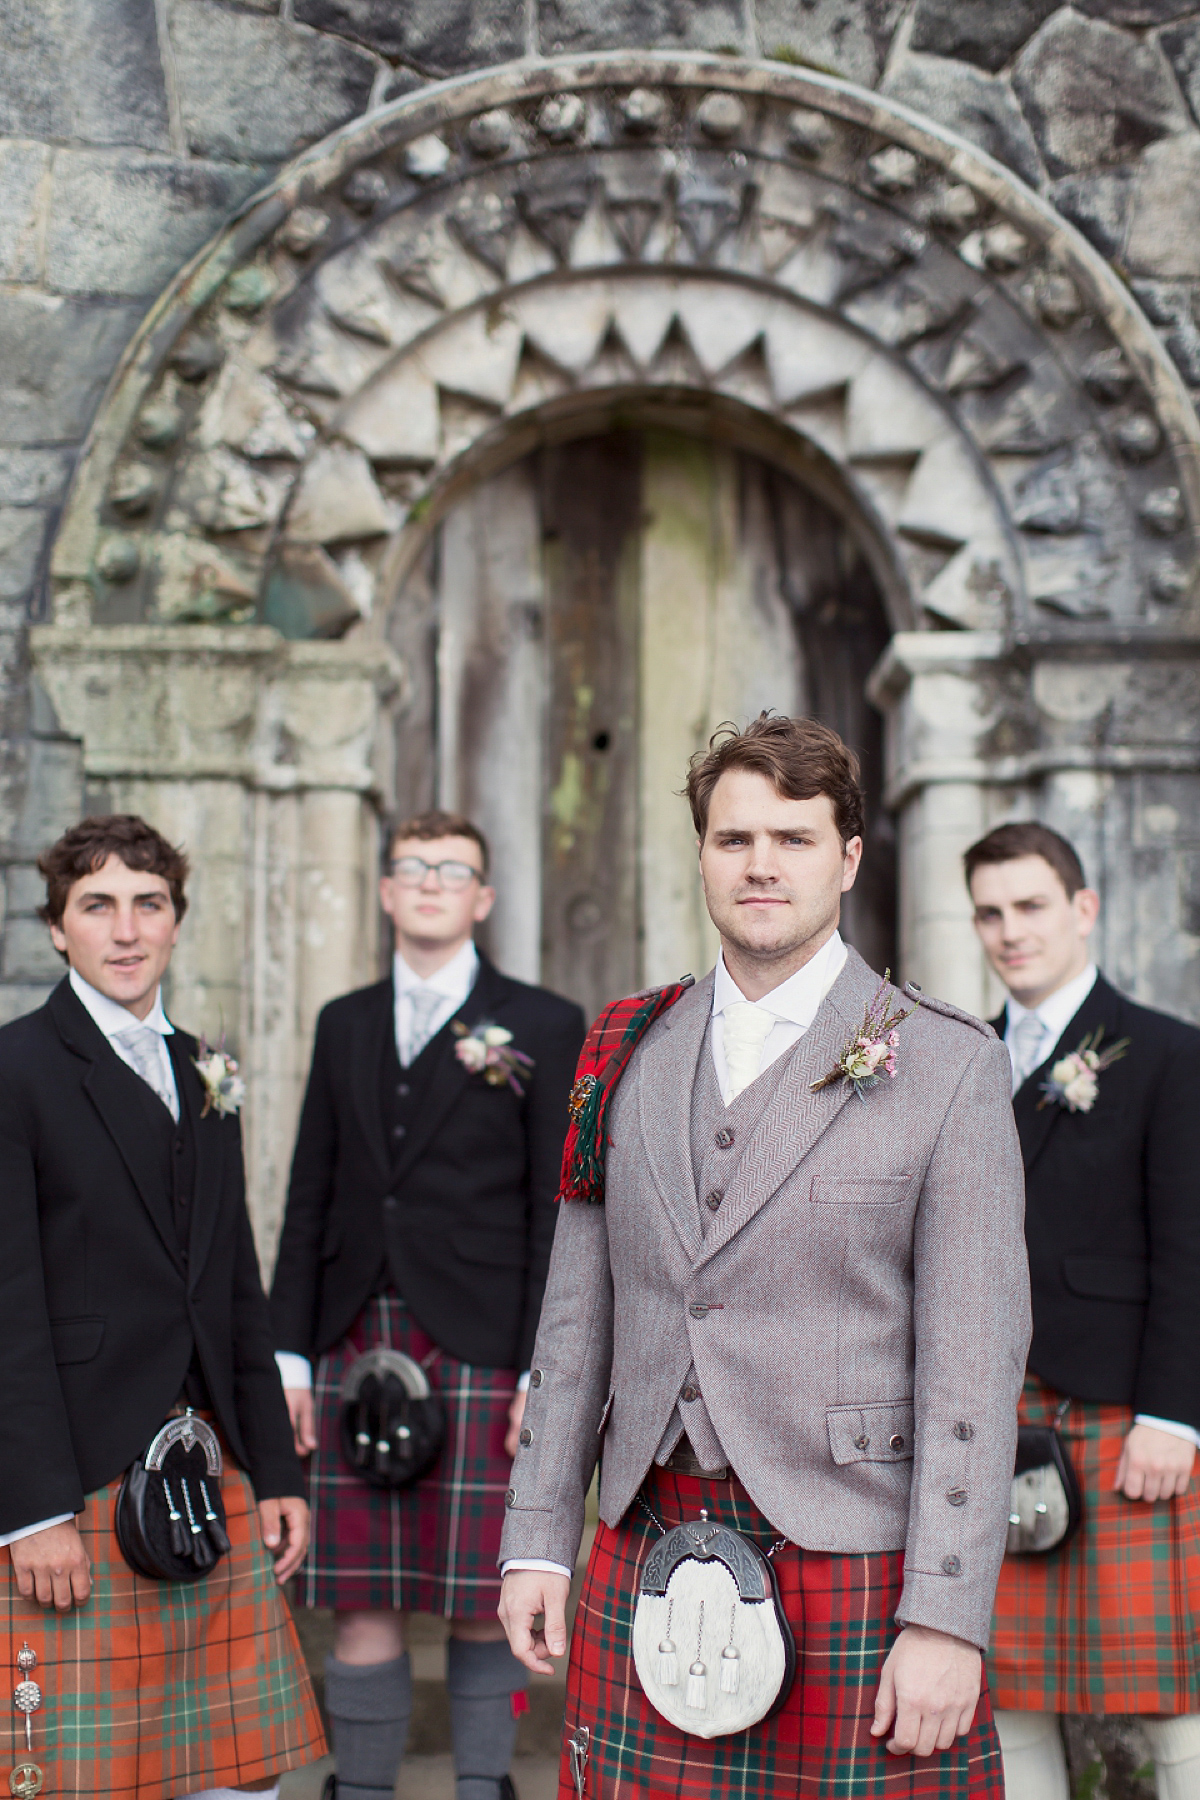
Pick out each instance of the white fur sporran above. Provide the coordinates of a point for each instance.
(711, 1646)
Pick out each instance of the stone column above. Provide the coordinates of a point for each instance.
(939, 693)
(260, 756)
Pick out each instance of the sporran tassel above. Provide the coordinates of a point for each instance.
(731, 1668)
(697, 1687)
(668, 1664)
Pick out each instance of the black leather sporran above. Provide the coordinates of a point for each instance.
(392, 1425)
(169, 1516)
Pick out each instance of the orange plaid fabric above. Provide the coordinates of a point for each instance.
(1111, 1624)
(159, 1688)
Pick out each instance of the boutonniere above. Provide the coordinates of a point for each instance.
(871, 1053)
(486, 1050)
(224, 1089)
(1074, 1080)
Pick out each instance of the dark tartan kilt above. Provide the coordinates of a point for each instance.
(160, 1688)
(1110, 1624)
(841, 1610)
(432, 1547)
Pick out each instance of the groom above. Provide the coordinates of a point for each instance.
(802, 1310)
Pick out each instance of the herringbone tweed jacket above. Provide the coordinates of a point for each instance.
(857, 1311)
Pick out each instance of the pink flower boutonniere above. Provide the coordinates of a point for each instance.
(486, 1050)
(1074, 1080)
(224, 1089)
(871, 1052)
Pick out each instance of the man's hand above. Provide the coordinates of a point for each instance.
(285, 1532)
(304, 1419)
(52, 1567)
(1154, 1465)
(928, 1691)
(516, 1413)
(524, 1593)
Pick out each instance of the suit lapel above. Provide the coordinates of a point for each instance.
(105, 1084)
(448, 1078)
(207, 1139)
(369, 1046)
(1034, 1123)
(796, 1117)
(666, 1074)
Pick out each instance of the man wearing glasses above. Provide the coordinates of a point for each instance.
(420, 1217)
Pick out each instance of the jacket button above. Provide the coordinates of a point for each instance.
(698, 1309)
(399, 1131)
(536, 1378)
(713, 1200)
(957, 1496)
(724, 1138)
(390, 1203)
(964, 1432)
(951, 1565)
(862, 1442)
(526, 1435)
(510, 1499)
(402, 1089)
(690, 1392)
(896, 1442)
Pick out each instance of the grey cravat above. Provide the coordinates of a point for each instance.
(423, 1004)
(1027, 1035)
(143, 1045)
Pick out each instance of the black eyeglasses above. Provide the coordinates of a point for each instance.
(454, 876)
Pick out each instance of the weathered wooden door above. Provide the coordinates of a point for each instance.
(582, 624)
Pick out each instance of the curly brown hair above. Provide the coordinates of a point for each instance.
(800, 757)
(88, 846)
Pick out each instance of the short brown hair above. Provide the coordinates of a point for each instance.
(1028, 838)
(800, 757)
(427, 826)
(88, 846)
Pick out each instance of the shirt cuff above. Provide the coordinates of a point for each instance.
(294, 1371)
(10, 1537)
(1171, 1425)
(523, 1382)
(536, 1563)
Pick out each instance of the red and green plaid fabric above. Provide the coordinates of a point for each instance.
(432, 1547)
(158, 1688)
(1110, 1624)
(818, 1747)
(609, 1044)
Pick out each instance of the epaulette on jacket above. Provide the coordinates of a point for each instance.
(947, 1011)
(604, 1058)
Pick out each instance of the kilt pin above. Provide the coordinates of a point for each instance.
(819, 1745)
(431, 1547)
(159, 1688)
(1111, 1623)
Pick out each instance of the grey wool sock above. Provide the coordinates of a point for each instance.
(481, 1680)
(369, 1707)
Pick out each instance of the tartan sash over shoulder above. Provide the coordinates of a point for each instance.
(609, 1044)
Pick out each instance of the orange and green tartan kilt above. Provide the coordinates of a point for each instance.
(1111, 1623)
(159, 1688)
(841, 1610)
(432, 1547)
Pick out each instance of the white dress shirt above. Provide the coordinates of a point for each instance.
(112, 1018)
(1054, 1014)
(453, 981)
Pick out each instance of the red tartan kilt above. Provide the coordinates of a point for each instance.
(159, 1688)
(1110, 1624)
(432, 1547)
(841, 1610)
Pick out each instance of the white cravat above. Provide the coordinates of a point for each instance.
(790, 1009)
(747, 1028)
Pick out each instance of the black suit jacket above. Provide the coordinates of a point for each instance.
(101, 1308)
(1112, 1216)
(462, 1212)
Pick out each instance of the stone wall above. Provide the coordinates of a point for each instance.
(133, 128)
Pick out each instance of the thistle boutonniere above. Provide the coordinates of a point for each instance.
(1074, 1080)
(871, 1053)
(224, 1089)
(486, 1049)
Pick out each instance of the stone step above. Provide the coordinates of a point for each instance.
(431, 1778)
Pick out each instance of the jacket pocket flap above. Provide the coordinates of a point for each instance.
(871, 1433)
(860, 1190)
(76, 1340)
(1107, 1277)
(495, 1249)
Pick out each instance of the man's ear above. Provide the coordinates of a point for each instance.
(1086, 903)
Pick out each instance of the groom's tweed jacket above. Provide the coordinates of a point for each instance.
(857, 1310)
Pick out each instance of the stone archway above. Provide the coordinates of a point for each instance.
(471, 271)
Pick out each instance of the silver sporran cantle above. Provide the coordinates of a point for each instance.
(711, 1645)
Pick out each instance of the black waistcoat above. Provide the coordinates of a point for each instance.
(403, 1092)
